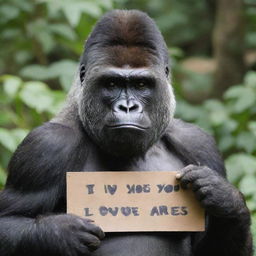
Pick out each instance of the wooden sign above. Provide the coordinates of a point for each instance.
(134, 201)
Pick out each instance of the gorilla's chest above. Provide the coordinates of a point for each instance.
(158, 158)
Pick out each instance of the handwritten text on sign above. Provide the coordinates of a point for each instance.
(133, 201)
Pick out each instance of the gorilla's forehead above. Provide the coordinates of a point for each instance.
(125, 72)
(132, 56)
(122, 55)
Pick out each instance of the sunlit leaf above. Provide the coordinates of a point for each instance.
(250, 79)
(247, 141)
(8, 12)
(74, 9)
(7, 139)
(11, 84)
(65, 70)
(37, 72)
(37, 95)
(247, 185)
(19, 134)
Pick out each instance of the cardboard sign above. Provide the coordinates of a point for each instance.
(134, 201)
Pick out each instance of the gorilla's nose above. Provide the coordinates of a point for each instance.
(127, 106)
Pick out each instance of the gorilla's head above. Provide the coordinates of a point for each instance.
(126, 101)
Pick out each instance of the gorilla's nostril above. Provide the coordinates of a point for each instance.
(134, 108)
(123, 108)
(128, 107)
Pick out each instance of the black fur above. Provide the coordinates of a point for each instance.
(82, 138)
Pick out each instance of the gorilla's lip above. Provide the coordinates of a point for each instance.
(127, 126)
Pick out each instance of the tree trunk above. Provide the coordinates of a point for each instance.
(228, 45)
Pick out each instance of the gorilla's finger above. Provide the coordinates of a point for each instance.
(91, 241)
(191, 177)
(186, 169)
(93, 229)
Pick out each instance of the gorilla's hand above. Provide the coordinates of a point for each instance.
(68, 235)
(214, 192)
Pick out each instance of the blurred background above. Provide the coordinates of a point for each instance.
(212, 45)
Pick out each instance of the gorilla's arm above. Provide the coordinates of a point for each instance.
(228, 218)
(228, 224)
(31, 203)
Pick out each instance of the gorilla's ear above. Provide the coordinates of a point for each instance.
(167, 71)
(82, 73)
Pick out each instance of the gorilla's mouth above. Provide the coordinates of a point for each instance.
(128, 126)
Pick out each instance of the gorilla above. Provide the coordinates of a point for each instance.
(118, 116)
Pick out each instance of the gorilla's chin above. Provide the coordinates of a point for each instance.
(126, 141)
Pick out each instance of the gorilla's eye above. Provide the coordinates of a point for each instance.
(140, 85)
(111, 84)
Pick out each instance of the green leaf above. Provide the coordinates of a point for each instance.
(252, 127)
(239, 165)
(39, 30)
(251, 204)
(217, 112)
(19, 134)
(247, 185)
(46, 40)
(63, 30)
(247, 141)
(3, 177)
(37, 72)
(11, 85)
(253, 227)
(7, 139)
(234, 92)
(65, 70)
(73, 10)
(37, 95)
(226, 142)
(8, 12)
(107, 4)
(58, 102)
(188, 112)
(244, 98)
(250, 79)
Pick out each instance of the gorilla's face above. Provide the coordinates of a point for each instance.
(125, 110)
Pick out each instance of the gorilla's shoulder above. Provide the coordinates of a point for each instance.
(194, 145)
(46, 152)
(55, 134)
(188, 133)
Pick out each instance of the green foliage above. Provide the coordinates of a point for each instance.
(41, 32)
(45, 31)
(233, 123)
(24, 105)
(64, 70)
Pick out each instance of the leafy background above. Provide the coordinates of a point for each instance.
(41, 41)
